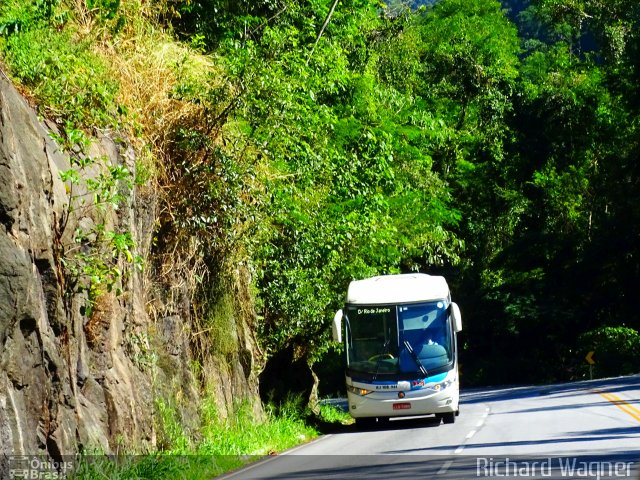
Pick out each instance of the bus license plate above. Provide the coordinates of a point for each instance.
(401, 406)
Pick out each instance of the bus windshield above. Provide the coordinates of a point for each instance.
(397, 340)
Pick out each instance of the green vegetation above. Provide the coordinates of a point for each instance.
(221, 444)
(170, 466)
(618, 350)
(243, 433)
(334, 415)
(447, 140)
(93, 263)
(71, 83)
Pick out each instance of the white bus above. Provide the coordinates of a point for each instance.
(400, 345)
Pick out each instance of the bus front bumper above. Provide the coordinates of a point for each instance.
(418, 402)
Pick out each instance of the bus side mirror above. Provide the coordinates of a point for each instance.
(456, 317)
(336, 328)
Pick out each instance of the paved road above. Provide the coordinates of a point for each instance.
(579, 430)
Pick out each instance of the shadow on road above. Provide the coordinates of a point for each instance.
(506, 393)
(405, 423)
(456, 467)
(587, 436)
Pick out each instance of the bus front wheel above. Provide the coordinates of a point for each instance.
(449, 417)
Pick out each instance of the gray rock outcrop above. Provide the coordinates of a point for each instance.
(68, 381)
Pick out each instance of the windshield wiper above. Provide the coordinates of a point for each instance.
(385, 350)
(409, 348)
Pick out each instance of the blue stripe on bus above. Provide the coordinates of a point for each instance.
(432, 379)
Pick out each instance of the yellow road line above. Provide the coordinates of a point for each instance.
(620, 403)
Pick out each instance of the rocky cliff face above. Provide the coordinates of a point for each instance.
(67, 380)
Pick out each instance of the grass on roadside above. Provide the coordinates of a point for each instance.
(334, 415)
(244, 434)
(221, 444)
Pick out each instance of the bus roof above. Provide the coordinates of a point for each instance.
(406, 288)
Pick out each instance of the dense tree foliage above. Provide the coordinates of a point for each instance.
(444, 139)
(499, 147)
(570, 263)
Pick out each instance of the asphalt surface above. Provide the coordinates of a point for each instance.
(588, 430)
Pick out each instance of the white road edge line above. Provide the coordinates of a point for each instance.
(471, 434)
(295, 449)
(445, 467)
(248, 467)
(259, 463)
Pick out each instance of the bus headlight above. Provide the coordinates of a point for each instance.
(358, 391)
(441, 386)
